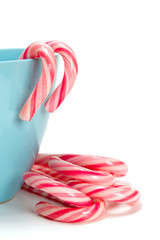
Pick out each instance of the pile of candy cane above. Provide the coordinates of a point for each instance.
(83, 183)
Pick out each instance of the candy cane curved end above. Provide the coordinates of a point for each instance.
(115, 193)
(44, 84)
(66, 214)
(70, 73)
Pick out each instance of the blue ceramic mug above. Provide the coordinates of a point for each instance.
(19, 140)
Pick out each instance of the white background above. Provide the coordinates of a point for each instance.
(113, 109)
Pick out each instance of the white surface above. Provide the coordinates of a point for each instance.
(113, 109)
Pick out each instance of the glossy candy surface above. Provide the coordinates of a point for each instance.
(57, 189)
(72, 215)
(43, 87)
(50, 171)
(70, 74)
(46, 51)
(81, 173)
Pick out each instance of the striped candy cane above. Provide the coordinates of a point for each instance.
(106, 164)
(70, 73)
(80, 173)
(43, 87)
(115, 167)
(116, 193)
(57, 189)
(72, 215)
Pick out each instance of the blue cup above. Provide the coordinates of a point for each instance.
(19, 140)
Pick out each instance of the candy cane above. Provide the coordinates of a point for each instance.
(43, 87)
(57, 189)
(65, 214)
(70, 73)
(115, 167)
(106, 164)
(116, 193)
(80, 173)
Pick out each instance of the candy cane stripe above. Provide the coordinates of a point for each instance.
(65, 214)
(80, 173)
(57, 189)
(67, 83)
(118, 193)
(113, 166)
(45, 52)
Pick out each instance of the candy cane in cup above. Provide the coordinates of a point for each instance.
(70, 73)
(43, 87)
(46, 51)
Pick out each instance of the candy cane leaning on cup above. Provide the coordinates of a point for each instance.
(65, 214)
(43, 87)
(70, 73)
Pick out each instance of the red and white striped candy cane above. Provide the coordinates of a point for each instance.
(116, 193)
(115, 167)
(106, 164)
(80, 173)
(57, 189)
(70, 73)
(43, 87)
(72, 215)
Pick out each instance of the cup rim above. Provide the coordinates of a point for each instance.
(17, 60)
